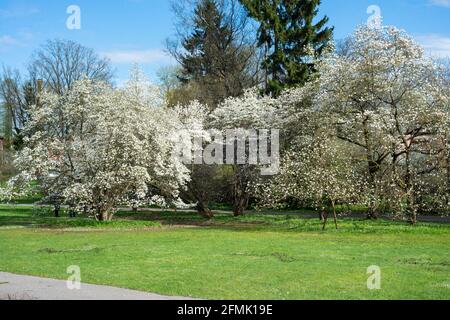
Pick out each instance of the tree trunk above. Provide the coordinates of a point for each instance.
(373, 204)
(325, 219)
(204, 211)
(447, 160)
(266, 71)
(331, 207)
(239, 207)
(56, 210)
(412, 212)
(333, 204)
(240, 194)
(104, 215)
(240, 202)
(322, 215)
(413, 217)
(372, 167)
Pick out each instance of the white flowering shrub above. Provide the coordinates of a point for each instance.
(372, 127)
(380, 95)
(97, 147)
(251, 111)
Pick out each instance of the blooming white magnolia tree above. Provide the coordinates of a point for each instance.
(97, 147)
(317, 168)
(251, 111)
(372, 127)
(318, 174)
(377, 95)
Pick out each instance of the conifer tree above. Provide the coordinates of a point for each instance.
(214, 58)
(290, 38)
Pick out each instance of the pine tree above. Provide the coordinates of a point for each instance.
(196, 62)
(217, 63)
(213, 58)
(288, 34)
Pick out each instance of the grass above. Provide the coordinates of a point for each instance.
(258, 256)
(27, 217)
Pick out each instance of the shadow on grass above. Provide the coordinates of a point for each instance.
(24, 217)
(299, 222)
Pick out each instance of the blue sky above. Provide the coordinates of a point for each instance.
(130, 31)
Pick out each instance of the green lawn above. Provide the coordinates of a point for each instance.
(252, 257)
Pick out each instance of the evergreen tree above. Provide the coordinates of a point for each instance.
(214, 58)
(290, 38)
(217, 61)
(204, 44)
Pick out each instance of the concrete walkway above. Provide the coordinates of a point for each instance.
(17, 287)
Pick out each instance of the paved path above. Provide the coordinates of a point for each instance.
(17, 287)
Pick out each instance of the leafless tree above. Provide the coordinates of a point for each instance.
(57, 65)
(237, 60)
(60, 63)
(17, 96)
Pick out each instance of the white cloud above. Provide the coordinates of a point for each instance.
(440, 3)
(138, 56)
(17, 12)
(435, 45)
(8, 42)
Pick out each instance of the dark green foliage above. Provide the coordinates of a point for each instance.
(291, 39)
(215, 59)
(204, 47)
(18, 98)
(217, 62)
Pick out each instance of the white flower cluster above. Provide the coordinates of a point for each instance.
(96, 147)
(373, 127)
